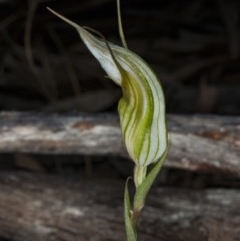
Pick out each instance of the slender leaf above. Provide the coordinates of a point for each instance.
(143, 189)
(130, 232)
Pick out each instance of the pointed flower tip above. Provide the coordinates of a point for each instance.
(142, 107)
(63, 18)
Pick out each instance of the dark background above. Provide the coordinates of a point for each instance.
(192, 45)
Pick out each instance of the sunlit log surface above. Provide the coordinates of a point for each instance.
(196, 142)
(45, 207)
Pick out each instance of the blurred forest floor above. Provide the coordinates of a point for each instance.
(193, 47)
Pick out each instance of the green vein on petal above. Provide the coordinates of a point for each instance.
(142, 107)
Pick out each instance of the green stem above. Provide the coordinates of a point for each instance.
(139, 175)
(143, 182)
(131, 233)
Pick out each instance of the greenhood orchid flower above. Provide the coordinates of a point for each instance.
(142, 107)
(141, 110)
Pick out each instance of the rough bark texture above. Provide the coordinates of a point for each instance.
(196, 142)
(49, 208)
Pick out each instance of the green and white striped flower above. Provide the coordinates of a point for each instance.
(141, 111)
(142, 107)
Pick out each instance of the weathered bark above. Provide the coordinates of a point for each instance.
(49, 208)
(196, 142)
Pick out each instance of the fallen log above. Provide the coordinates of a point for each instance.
(196, 142)
(45, 207)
